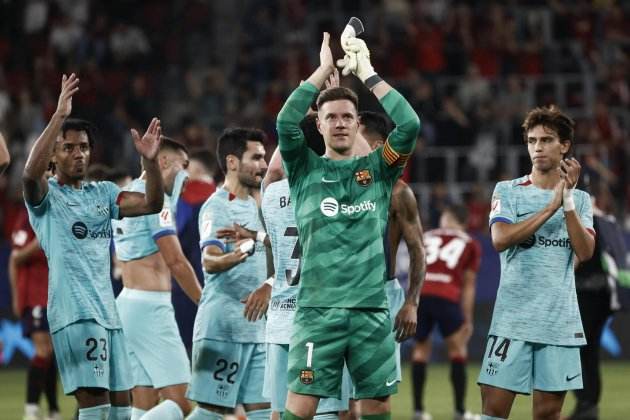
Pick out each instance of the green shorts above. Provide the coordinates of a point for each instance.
(324, 337)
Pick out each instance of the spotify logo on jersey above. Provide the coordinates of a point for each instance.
(329, 207)
(79, 230)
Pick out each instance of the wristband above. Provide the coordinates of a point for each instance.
(567, 199)
(270, 281)
(371, 81)
(261, 235)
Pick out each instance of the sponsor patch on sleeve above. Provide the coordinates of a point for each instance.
(495, 207)
(206, 225)
(166, 220)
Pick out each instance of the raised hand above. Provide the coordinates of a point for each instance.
(69, 86)
(570, 171)
(325, 54)
(556, 201)
(149, 145)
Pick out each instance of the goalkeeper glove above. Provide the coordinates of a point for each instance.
(357, 60)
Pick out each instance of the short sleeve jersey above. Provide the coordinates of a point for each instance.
(220, 313)
(280, 224)
(536, 300)
(74, 228)
(135, 237)
(449, 254)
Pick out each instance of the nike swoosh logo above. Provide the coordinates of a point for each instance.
(524, 214)
(570, 378)
(388, 383)
(329, 180)
(73, 204)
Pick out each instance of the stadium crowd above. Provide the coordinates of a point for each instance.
(470, 69)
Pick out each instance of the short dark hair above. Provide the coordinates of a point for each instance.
(314, 138)
(78, 124)
(335, 94)
(376, 123)
(233, 141)
(553, 118)
(168, 143)
(459, 212)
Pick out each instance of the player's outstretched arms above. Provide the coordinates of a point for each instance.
(5, 158)
(582, 241)
(405, 206)
(180, 267)
(214, 260)
(35, 185)
(137, 204)
(505, 235)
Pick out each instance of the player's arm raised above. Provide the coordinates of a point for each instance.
(35, 185)
(402, 140)
(290, 136)
(137, 204)
(505, 235)
(406, 208)
(180, 268)
(5, 158)
(582, 241)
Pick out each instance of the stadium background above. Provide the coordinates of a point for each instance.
(470, 69)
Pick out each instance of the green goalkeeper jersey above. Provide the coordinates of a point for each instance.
(341, 206)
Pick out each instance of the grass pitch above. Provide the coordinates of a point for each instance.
(615, 403)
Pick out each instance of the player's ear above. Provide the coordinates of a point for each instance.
(318, 125)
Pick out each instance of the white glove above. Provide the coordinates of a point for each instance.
(357, 59)
(348, 64)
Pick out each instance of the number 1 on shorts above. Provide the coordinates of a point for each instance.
(309, 354)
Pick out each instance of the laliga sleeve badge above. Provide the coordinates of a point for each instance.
(363, 177)
(307, 376)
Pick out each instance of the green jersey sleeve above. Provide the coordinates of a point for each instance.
(296, 155)
(402, 140)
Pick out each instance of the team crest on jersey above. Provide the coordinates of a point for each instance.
(363, 177)
(307, 376)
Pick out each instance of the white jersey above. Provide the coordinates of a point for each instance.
(282, 230)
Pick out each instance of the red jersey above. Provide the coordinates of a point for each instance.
(32, 275)
(449, 253)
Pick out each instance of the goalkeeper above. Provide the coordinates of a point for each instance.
(341, 209)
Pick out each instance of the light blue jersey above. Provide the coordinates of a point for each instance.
(220, 313)
(536, 300)
(282, 230)
(135, 237)
(73, 226)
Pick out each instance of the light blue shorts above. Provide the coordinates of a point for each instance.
(521, 366)
(156, 352)
(395, 300)
(275, 387)
(92, 356)
(227, 374)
